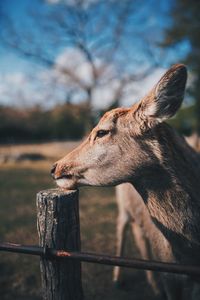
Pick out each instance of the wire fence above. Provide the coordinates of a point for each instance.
(103, 259)
(60, 253)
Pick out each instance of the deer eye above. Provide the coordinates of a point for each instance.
(102, 133)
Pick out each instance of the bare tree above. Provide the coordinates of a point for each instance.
(102, 32)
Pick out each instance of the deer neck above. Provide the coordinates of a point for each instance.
(169, 186)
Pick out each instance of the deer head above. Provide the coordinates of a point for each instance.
(117, 146)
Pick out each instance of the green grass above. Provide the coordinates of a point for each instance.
(20, 275)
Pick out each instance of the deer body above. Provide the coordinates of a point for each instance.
(148, 239)
(135, 145)
(172, 195)
(151, 243)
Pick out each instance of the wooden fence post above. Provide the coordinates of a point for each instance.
(59, 228)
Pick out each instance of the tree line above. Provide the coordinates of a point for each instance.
(65, 122)
(62, 122)
(109, 58)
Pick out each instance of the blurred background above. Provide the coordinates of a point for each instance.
(63, 64)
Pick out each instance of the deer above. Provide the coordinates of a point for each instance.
(132, 211)
(147, 238)
(150, 242)
(135, 145)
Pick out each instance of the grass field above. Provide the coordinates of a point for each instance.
(19, 274)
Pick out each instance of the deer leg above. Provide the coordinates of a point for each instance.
(143, 247)
(122, 222)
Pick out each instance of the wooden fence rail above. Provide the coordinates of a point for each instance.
(59, 248)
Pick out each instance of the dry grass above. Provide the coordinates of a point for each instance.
(50, 150)
(19, 274)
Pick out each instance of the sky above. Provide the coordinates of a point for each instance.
(36, 83)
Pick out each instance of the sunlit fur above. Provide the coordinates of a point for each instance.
(143, 150)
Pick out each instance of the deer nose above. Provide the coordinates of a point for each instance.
(53, 171)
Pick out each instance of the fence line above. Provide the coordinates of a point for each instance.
(60, 253)
(103, 259)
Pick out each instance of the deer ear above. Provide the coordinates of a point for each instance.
(166, 97)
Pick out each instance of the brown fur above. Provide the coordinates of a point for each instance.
(139, 148)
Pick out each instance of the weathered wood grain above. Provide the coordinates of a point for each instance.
(59, 228)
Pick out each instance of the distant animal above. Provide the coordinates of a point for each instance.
(147, 237)
(135, 145)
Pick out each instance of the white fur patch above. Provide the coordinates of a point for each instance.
(151, 109)
(63, 183)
